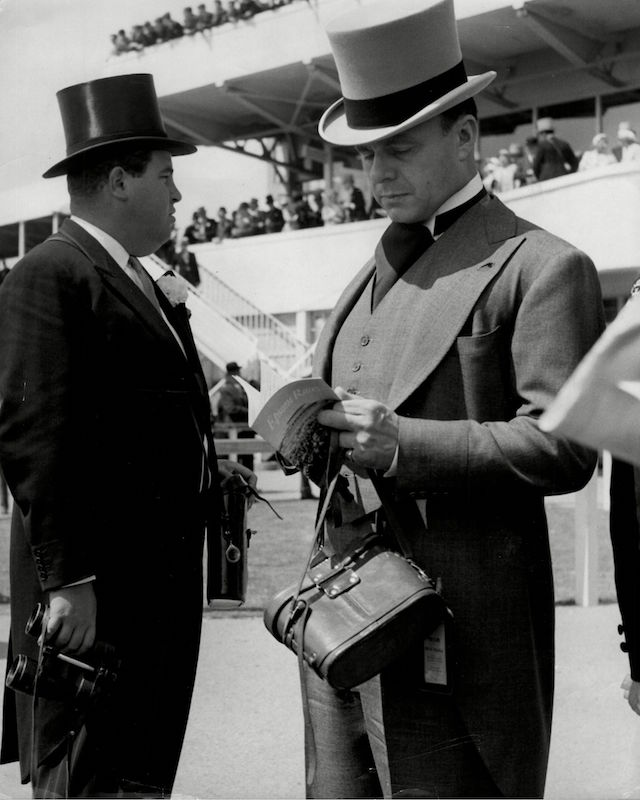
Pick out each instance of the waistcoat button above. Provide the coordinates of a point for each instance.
(356, 366)
(364, 341)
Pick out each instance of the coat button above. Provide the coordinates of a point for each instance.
(356, 366)
(620, 629)
(624, 647)
(364, 341)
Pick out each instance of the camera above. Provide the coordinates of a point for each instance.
(57, 676)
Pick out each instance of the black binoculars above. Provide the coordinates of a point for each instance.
(57, 676)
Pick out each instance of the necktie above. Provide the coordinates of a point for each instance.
(400, 246)
(142, 280)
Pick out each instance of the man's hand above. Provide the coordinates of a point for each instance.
(71, 627)
(368, 429)
(631, 691)
(228, 468)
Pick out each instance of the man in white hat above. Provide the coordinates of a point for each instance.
(554, 157)
(445, 349)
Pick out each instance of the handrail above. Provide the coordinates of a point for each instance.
(274, 339)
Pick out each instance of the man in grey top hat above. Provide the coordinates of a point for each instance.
(445, 349)
(106, 445)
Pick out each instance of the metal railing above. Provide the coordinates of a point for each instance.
(282, 347)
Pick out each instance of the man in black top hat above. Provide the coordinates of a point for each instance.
(444, 349)
(106, 445)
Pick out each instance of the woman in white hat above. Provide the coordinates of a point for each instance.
(599, 155)
(629, 141)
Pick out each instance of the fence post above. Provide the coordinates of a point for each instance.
(586, 543)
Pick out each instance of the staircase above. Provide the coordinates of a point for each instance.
(227, 327)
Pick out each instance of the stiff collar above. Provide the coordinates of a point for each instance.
(459, 198)
(111, 245)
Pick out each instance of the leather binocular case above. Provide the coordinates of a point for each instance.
(227, 573)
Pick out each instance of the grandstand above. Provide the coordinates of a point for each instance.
(259, 88)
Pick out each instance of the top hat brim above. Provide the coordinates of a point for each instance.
(334, 128)
(172, 146)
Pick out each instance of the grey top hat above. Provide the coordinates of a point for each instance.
(399, 64)
(112, 111)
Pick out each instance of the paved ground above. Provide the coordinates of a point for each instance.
(244, 738)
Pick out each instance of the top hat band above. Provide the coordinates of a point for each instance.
(395, 108)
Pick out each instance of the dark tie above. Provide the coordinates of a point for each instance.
(400, 246)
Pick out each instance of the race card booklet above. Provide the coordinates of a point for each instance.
(284, 413)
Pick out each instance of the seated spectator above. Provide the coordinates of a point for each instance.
(232, 11)
(248, 8)
(173, 28)
(332, 211)
(242, 222)
(149, 34)
(189, 21)
(122, 44)
(487, 171)
(138, 37)
(554, 157)
(530, 150)
(314, 201)
(185, 263)
(301, 214)
(289, 214)
(600, 154)
(629, 142)
(220, 14)
(205, 18)
(202, 229)
(517, 157)
(223, 225)
(160, 30)
(167, 251)
(273, 218)
(506, 174)
(257, 216)
(352, 199)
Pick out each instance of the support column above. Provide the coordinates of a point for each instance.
(598, 112)
(21, 238)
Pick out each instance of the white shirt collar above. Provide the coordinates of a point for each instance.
(111, 245)
(468, 191)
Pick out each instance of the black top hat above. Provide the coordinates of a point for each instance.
(111, 111)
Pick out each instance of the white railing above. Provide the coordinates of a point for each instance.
(282, 347)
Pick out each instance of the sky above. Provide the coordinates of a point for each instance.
(46, 45)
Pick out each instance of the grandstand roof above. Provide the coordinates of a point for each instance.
(276, 75)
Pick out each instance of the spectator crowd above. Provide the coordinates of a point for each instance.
(165, 28)
(343, 203)
(547, 156)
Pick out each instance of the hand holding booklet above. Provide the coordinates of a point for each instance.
(285, 414)
(599, 406)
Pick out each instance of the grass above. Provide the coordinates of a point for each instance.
(279, 549)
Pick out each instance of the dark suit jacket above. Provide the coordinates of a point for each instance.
(101, 441)
(550, 159)
(469, 347)
(625, 539)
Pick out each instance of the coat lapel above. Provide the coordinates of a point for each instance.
(118, 281)
(428, 306)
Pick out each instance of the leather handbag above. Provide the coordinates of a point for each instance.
(350, 618)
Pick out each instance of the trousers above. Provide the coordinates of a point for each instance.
(364, 742)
